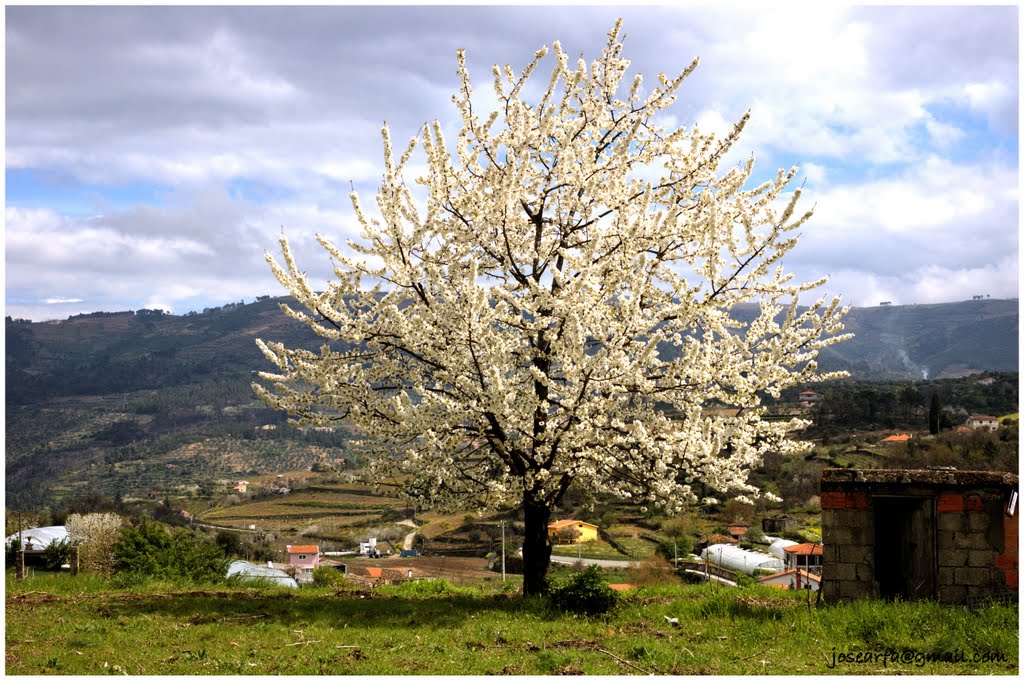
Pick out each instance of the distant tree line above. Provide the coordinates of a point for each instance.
(868, 405)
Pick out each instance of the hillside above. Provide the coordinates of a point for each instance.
(105, 353)
(133, 403)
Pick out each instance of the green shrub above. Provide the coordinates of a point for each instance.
(332, 578)
(744, 580)
(584, 593)
(150, 549)
(57, 553)
(11, 552)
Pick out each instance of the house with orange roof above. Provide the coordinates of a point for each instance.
(738, 532)
(303, 558)
(559, 530)
(807, 556)
(809, 398)
(896, 439)
(793, 580)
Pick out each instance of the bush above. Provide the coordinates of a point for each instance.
(57, 553)
(585, 593)
(744, 580)
(332, 578)
(670, 548)
(150, 549)
(11, 552)
(655, 571)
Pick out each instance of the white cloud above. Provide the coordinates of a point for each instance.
(880, 106)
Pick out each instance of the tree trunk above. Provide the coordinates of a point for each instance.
(536, 547)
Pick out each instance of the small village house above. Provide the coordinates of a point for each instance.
(982, 422)
(373, 576)
(557, 531)
(806, 556)
(241, 486)
(899, 438)
(304, 559)
(779, 523)
(809, 398)
(793, 579)
(738, 532)
(369, 548)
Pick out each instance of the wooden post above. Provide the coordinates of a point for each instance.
(19, 565)
(74, 560)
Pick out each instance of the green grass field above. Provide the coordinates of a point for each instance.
(58, 624)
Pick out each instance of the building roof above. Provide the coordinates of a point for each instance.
(738, 529)
(304, 548)
(982, 417)
(804, 573)
(902, 437)
(805, 549)
(559, 524)
(621, 587)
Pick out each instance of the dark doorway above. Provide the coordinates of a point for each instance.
(905, 547)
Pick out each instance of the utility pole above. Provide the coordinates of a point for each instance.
(503, 551)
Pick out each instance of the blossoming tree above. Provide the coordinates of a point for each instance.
(556, 303)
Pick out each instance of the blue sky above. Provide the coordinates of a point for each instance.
(154, 153)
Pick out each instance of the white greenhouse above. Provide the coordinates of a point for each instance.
(776, 548)
(37, 539)
(740, 560)
(250, 571)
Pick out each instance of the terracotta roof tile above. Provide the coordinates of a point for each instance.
(805, 549)
(305, 548)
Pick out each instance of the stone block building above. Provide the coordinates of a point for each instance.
(947, 535)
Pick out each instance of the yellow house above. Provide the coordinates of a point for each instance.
(558, 530)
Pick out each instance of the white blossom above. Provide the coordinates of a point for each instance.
(530, 317)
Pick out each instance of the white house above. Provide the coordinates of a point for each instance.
(982, 422)
(809, 397)
(807, 556)
(792, 580)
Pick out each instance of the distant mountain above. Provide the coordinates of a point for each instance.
(943, 340)
(129, 402)
(102, 353)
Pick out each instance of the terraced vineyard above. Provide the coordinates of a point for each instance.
(336, 512)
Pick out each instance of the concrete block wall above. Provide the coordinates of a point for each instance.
(848, 536)
(977, 545)
(976, 541)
